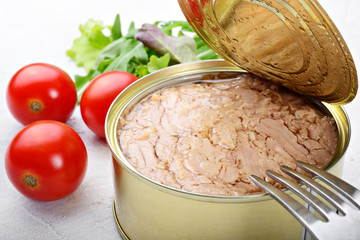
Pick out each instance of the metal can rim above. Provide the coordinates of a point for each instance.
(147, 82)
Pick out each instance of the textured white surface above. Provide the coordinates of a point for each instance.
(41, 31)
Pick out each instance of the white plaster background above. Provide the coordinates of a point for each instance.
(41, 31)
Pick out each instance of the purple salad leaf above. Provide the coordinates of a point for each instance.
(181, 49)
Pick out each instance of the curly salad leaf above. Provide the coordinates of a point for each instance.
(140, 51)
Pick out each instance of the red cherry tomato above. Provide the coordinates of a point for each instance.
(99, 95)
(41, 91)
(46, 160)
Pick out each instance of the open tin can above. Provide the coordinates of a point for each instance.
(145, 209)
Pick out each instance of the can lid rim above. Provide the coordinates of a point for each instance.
(321, 66)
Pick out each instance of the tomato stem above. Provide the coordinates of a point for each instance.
(35, 106)
(30, 181)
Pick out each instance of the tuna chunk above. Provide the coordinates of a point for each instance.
(208, 138)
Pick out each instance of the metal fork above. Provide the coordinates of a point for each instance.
(339, 213)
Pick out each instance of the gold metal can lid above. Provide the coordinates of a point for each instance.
(292, 42)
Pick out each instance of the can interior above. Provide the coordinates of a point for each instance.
(125, 102)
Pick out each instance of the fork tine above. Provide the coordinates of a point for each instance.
(331, 197)
(347, 190)
(302, 214)
(318, 205)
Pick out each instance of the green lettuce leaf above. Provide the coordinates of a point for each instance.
(141, 70)
(157, 63)
(111, 51)
(180, 26)
(140, 51)
(116, 29)
(87, 47)
(203, 51)
(130, 48)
